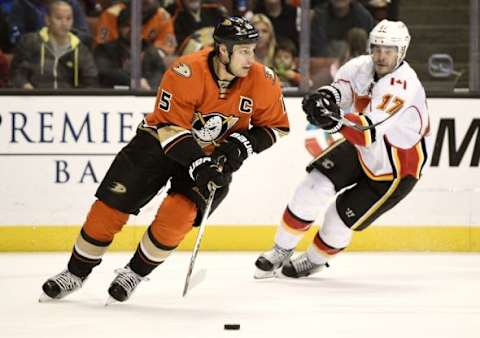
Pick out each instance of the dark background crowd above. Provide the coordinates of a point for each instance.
(53, 44)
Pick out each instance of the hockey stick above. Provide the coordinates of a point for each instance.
(354, 125)
(201, 229)
(197, 278)
(198, 240)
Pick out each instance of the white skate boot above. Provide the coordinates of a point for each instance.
(60, 286)
(301, 266)
(269, 262)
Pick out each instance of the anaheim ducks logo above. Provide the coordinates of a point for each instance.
(182, 70)
(118, 188)
(269, 73)
(211, 127)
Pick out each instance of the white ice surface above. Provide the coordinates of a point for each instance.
(405, 295)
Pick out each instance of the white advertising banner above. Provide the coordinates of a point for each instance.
(54, 151)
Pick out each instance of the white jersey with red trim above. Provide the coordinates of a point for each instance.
(399, 146)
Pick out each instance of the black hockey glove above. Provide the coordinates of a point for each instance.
(322, 110)
(207, 174)
(236, 148)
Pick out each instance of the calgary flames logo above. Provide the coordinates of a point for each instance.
(211, 127)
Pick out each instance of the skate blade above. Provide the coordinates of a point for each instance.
(198, 278)
(110, 300)
(44, 298)
(260, 274)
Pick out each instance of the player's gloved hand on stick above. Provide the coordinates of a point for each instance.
(207, 174)
(322, 110)
(235, 148)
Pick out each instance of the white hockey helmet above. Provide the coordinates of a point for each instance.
(390, 33)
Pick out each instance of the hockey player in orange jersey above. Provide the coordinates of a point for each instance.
(214, 103)
(375, 165)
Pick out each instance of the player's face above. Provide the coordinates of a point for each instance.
(243, 57)
(60, 20)
(384, 59)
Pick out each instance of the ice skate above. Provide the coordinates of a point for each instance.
(60, 286)
(269, 262)
(301, 266)
(123, 285)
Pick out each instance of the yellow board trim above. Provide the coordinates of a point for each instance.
(252, 238)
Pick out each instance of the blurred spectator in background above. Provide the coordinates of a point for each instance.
(4, 65)
(53, 57)
(298, 3)
(5, 47)
(157, 26)
(172, 6)
(28, 16)
(200, 39)
(382, 9)
(284, 63)
(90, 7)
(93, 8)
(5, 43)
(283, 17)
(323, 69)
(6, 5)
(265, 50)
(355, 45)
(331, 23)
(113, 59)
(242, 8)
(193, 15)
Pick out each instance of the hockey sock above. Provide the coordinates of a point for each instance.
(101, 225)
(291, 230)
(149, 254)
(87, 253)
(320, 252)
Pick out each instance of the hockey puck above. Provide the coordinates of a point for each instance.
(231, 326)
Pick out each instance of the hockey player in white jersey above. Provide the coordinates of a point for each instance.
(379, 106)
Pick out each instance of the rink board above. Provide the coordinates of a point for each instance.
(257, 238)
(55, 150)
